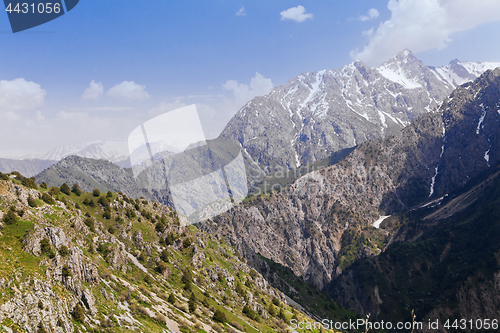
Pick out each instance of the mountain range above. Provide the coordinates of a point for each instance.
(310, 117)
(315, 114)
(31, 164)
(419, 183)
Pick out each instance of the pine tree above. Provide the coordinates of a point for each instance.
(10, 218)
(65, 189)
(76, 189)
(219, 316)
(192, 303)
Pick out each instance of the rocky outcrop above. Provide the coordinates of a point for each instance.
(35, 302)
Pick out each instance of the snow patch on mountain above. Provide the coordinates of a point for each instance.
(398, 76)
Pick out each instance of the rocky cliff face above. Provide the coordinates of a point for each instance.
(443, 262)
(318, 113)
(303, 226)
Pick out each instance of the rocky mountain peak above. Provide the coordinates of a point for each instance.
(315, 114)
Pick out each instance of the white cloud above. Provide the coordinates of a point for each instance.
(110, 108)
(259, 85)
(297, 14)
(94, 91)
(39, 115)
(241, 12)
(372, 13)
(166, 107)
(128, 90)
(72, 115)
(20, 94)
(368, 33)
(421, 25)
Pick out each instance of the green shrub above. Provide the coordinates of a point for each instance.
(76, 189)
(10, 217)
(47, 199)
(171, 298)
(160, 227)
(282, 315)
(148, 279)
(45, 245)
(239, 289)
(64, 251)
(107, 214)
(29, 182)
(103, 201)
(46, 248)
(271, 310)
(65, 189)
(96, 193)
(170, 239)
(250, 313)
(187, 242)
(43, 185)
(161, 266)
(41, 328)
(66, 271)
(192, 303)
(109, 195)
(187, 276)
(78, 313)
(164, 255)
(89, 222)
(89, 202)
(3, 176)
(54, 191)
(219, 316)
(146, 214)
(130, 213)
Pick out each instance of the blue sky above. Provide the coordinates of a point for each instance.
(207, 52)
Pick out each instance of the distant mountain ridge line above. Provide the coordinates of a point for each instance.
(317, 113)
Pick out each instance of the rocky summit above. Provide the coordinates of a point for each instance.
(316, 114)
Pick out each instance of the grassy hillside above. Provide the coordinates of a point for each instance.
(103, 262)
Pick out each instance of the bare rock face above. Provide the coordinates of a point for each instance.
(138, 240)
(198, 257)
(24, 307)
(82, 269)
(316, 114)
(55, 235)
(302, 226)
(24, 193)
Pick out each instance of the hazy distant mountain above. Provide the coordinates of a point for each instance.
(115, 151)
(318, 113)
(27, 167)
